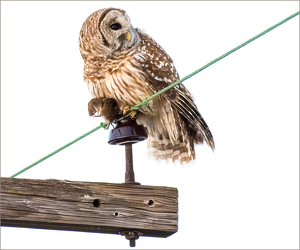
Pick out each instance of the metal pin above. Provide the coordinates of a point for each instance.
(129, 174)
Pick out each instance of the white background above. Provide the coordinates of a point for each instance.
(244, 195)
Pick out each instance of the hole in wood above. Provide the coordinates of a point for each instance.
(96, 203)
(116, 214)
(150, 202)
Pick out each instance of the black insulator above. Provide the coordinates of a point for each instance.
(127, 131)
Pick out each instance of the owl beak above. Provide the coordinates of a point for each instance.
(127, 36)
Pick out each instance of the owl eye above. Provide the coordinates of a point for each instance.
(115, 26)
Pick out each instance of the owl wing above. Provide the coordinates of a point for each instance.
(160, 73)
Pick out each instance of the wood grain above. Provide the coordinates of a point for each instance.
(89, 206)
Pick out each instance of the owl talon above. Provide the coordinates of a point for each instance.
(133, 114)
(126, 110)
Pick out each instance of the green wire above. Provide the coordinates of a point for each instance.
(102, 125)
(146, 102)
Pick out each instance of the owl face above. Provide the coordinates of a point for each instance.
(118, 33)
(107, 32)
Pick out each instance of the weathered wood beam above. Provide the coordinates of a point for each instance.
(89, 206)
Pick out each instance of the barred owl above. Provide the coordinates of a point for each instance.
(125, 64)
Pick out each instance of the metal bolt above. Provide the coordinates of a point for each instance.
(131, 236)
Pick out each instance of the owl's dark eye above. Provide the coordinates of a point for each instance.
(115, 26)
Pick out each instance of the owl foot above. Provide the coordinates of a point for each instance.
(126, 110)
(131, 114)
(105, 107)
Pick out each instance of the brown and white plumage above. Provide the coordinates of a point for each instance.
(126, 64)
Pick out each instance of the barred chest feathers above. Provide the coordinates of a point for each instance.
(121, 78)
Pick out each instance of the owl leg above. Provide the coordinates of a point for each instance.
(105, 107)
(126, 110)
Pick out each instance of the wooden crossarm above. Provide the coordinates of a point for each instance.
(89, 206)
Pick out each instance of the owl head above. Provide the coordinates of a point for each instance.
(107, 32)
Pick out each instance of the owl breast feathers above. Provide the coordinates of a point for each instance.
(126, 64)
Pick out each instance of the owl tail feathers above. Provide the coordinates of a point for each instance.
(163, 149)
